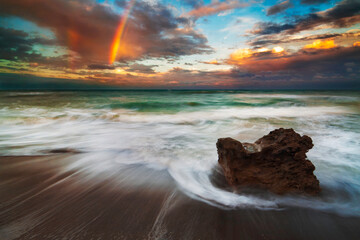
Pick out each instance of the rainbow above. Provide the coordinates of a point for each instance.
(115, 45)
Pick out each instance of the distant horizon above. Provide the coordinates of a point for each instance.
(35, 83)
(180, 89)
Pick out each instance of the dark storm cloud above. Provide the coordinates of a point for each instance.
(311, 75)
(265, 40)
(100, 67)
(265, 28)
(141, 68)
(18, 45)
(333, 75)
(14, 44)
(161, 35)
(327, 61)
(240, 73)
(312, 2)
(341, 63)
(88, 28)
(344, 14)
(278, 8)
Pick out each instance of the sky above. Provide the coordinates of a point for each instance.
(173, 44)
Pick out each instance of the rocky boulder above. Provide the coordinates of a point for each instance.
(276, 162)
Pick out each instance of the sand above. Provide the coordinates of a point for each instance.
(42, 198)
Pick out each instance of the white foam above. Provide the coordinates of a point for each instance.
(228, 113)
(184, 144)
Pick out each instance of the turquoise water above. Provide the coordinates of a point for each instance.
(177, 131)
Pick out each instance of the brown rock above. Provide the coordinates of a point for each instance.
(276, 162)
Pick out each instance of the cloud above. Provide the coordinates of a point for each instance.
(343, 14)
(307, 68)
(319, 44)
(212, 62)
(87, 28)
(141, 68)
(17, 46)
(101, 67)
(81, 26)
(336, 68)
(14, 41)
(309, 60)
(216, 7)
(312, 2)
(278, 8)
(243, 55)
(265, 28)
(270, 40)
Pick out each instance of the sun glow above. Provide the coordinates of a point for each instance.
(277, 49)
(318, 44)
(263, 49)
(215, 62)
(115, 45)
(241, 54)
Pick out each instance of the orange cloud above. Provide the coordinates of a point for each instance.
(277, 60)
(216, 7)
(318, 44)
(241, 54)
(246, 54)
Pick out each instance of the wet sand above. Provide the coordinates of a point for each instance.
(42, 198)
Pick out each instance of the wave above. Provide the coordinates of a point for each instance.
(42, 115)
(182, 142)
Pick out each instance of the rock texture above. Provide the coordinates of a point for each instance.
(276, 162)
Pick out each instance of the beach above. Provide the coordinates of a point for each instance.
(41, 200)
(143, 165)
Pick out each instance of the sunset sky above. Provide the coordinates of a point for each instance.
(257, 44)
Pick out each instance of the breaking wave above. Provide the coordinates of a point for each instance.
(177, 132)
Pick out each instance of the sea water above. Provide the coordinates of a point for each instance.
(176, 131)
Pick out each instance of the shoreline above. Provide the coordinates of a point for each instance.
(40, 198)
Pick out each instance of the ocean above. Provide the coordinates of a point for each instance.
(176, 132)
